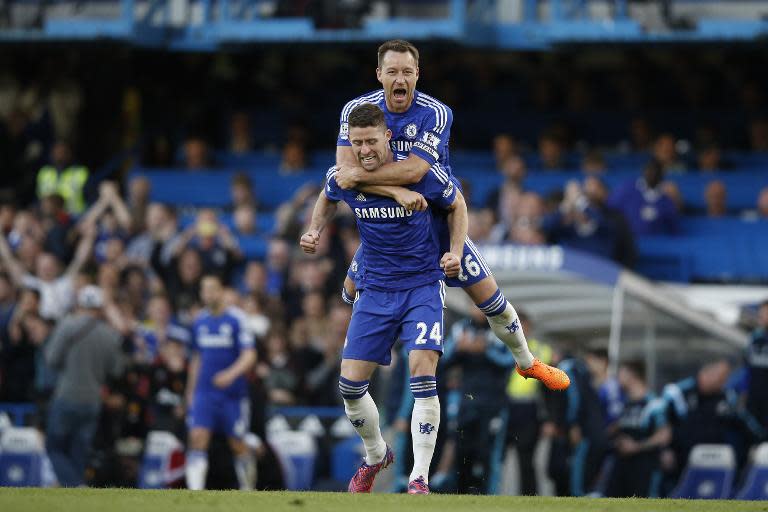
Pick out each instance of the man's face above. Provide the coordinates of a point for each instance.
(398, 74)
(47, 267)
(370, 145)
(211, 292)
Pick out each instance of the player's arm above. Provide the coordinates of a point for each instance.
(458, 223)
(241, 366)
(405, 172)
(323, 212)
(408, 199)
(192, 374)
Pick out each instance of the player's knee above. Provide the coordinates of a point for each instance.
(198, 439)
(423, 362)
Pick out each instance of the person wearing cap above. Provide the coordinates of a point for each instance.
(86, 351)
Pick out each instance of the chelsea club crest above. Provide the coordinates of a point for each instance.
(411, 130)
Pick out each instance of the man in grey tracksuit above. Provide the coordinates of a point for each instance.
(86, 351)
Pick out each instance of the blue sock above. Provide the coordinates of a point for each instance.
(424, 386)
(353, 390)
(495, 305)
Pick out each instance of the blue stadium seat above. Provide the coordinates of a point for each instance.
(253, 247)
(709, 473)
(756, 482)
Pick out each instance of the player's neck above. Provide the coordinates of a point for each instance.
(216, 310)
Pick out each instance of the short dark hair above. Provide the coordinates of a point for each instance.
(399, 46)
(600, 353)
(636, 367)
(365, 115)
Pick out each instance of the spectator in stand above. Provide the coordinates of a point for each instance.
(17, 346)
(139, 189)
(526, 225)
(503, 199)
(245, 221)
(480, 225)
(278, 370)
(241, 191)
(646, 207)
(762, 203)
(321, 379)
(526, 410)
(593, 163)
(240, 136)
(7, 300)
(294, 158)
(86, 352)
(551, 152)
(110, 216)
(168, 383)
(484, 364)
(197, 154)
(584, 222)
(55, 223)
(504, 148)
(710, 159)
(665, 153)
(715, 197)
(576, 425)
(61, 176)
(642, 432)
(641, 134)
(159, 238)
(757, 367)
(278, 263)
(184, 283)
(758, 135)
(56, 288)
(608, 389)
(214, 242)
(703, 410)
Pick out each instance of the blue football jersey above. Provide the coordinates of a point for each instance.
(402, 248)
(424, 129)
(219, 341)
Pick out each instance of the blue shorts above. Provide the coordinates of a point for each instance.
(379, 318)
(473, 267)
(220, 413)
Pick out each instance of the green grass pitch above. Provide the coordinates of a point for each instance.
(131, 500)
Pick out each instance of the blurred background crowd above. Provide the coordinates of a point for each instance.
(85, 135)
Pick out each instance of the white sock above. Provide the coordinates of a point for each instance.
(364, 416)
(196, 469)
(425, 423)
(506, 326)
(245, 468)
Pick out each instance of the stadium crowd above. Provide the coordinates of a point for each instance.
(73, 243)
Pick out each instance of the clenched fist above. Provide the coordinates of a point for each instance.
(309, 241)
(451, 264)
(411, 200)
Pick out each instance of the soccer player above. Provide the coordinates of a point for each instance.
(400, 294)
(421, 127)
(217, 394)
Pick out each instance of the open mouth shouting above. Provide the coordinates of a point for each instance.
(399, 96)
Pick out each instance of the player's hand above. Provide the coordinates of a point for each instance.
(451, 264)
(309, 241)
(625, 445)
(411, 200)
(223, 379)
(347, 177)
